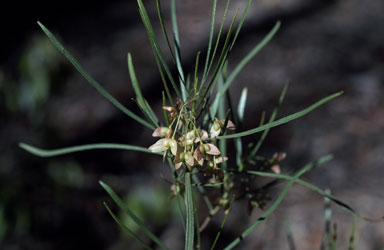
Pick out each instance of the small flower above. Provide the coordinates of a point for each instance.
(218, 126)
(163, 145)
(172, 111)
(276, 169)
(275, 161)
(162, 132)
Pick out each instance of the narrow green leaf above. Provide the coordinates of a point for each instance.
(124, 207)
(141, 101)
(155, 45)
(151, 113)
(195, 82)
(195, 78)
(164, 30)
(217, 42)
(283, 120)
(165, 84)
(181, 210)
(262, 119)
(68, 150)
(272, 208)
(92, 81)
(213, 16)
(313, 187)
(177, 51)
(135, 83)
(189, 232)
(135, 236)
(271, 119)
(220, 64)
(248, 57)
(188, 84)
(240, 24)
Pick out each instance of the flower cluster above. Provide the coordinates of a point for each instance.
(188, 144)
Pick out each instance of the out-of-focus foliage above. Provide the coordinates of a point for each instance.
(36, 69)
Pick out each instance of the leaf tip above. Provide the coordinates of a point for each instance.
(25, 146)
(102, 183)
(41, 25)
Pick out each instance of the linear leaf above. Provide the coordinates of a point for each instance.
(68, 150)
(283, 120)
(240, 24)
(315, 188)
(90, 79)
(135, 236)
(124, 207)
(217, 41)
(161, 19)
(155, 45)
(220, 63)
(136, 87)
(213, 16)
(177, 51)
(151, 113)
(271, 119)
(189, 232)
(248, 57)
(273, 207)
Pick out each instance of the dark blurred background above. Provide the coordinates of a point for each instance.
(323, 46)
